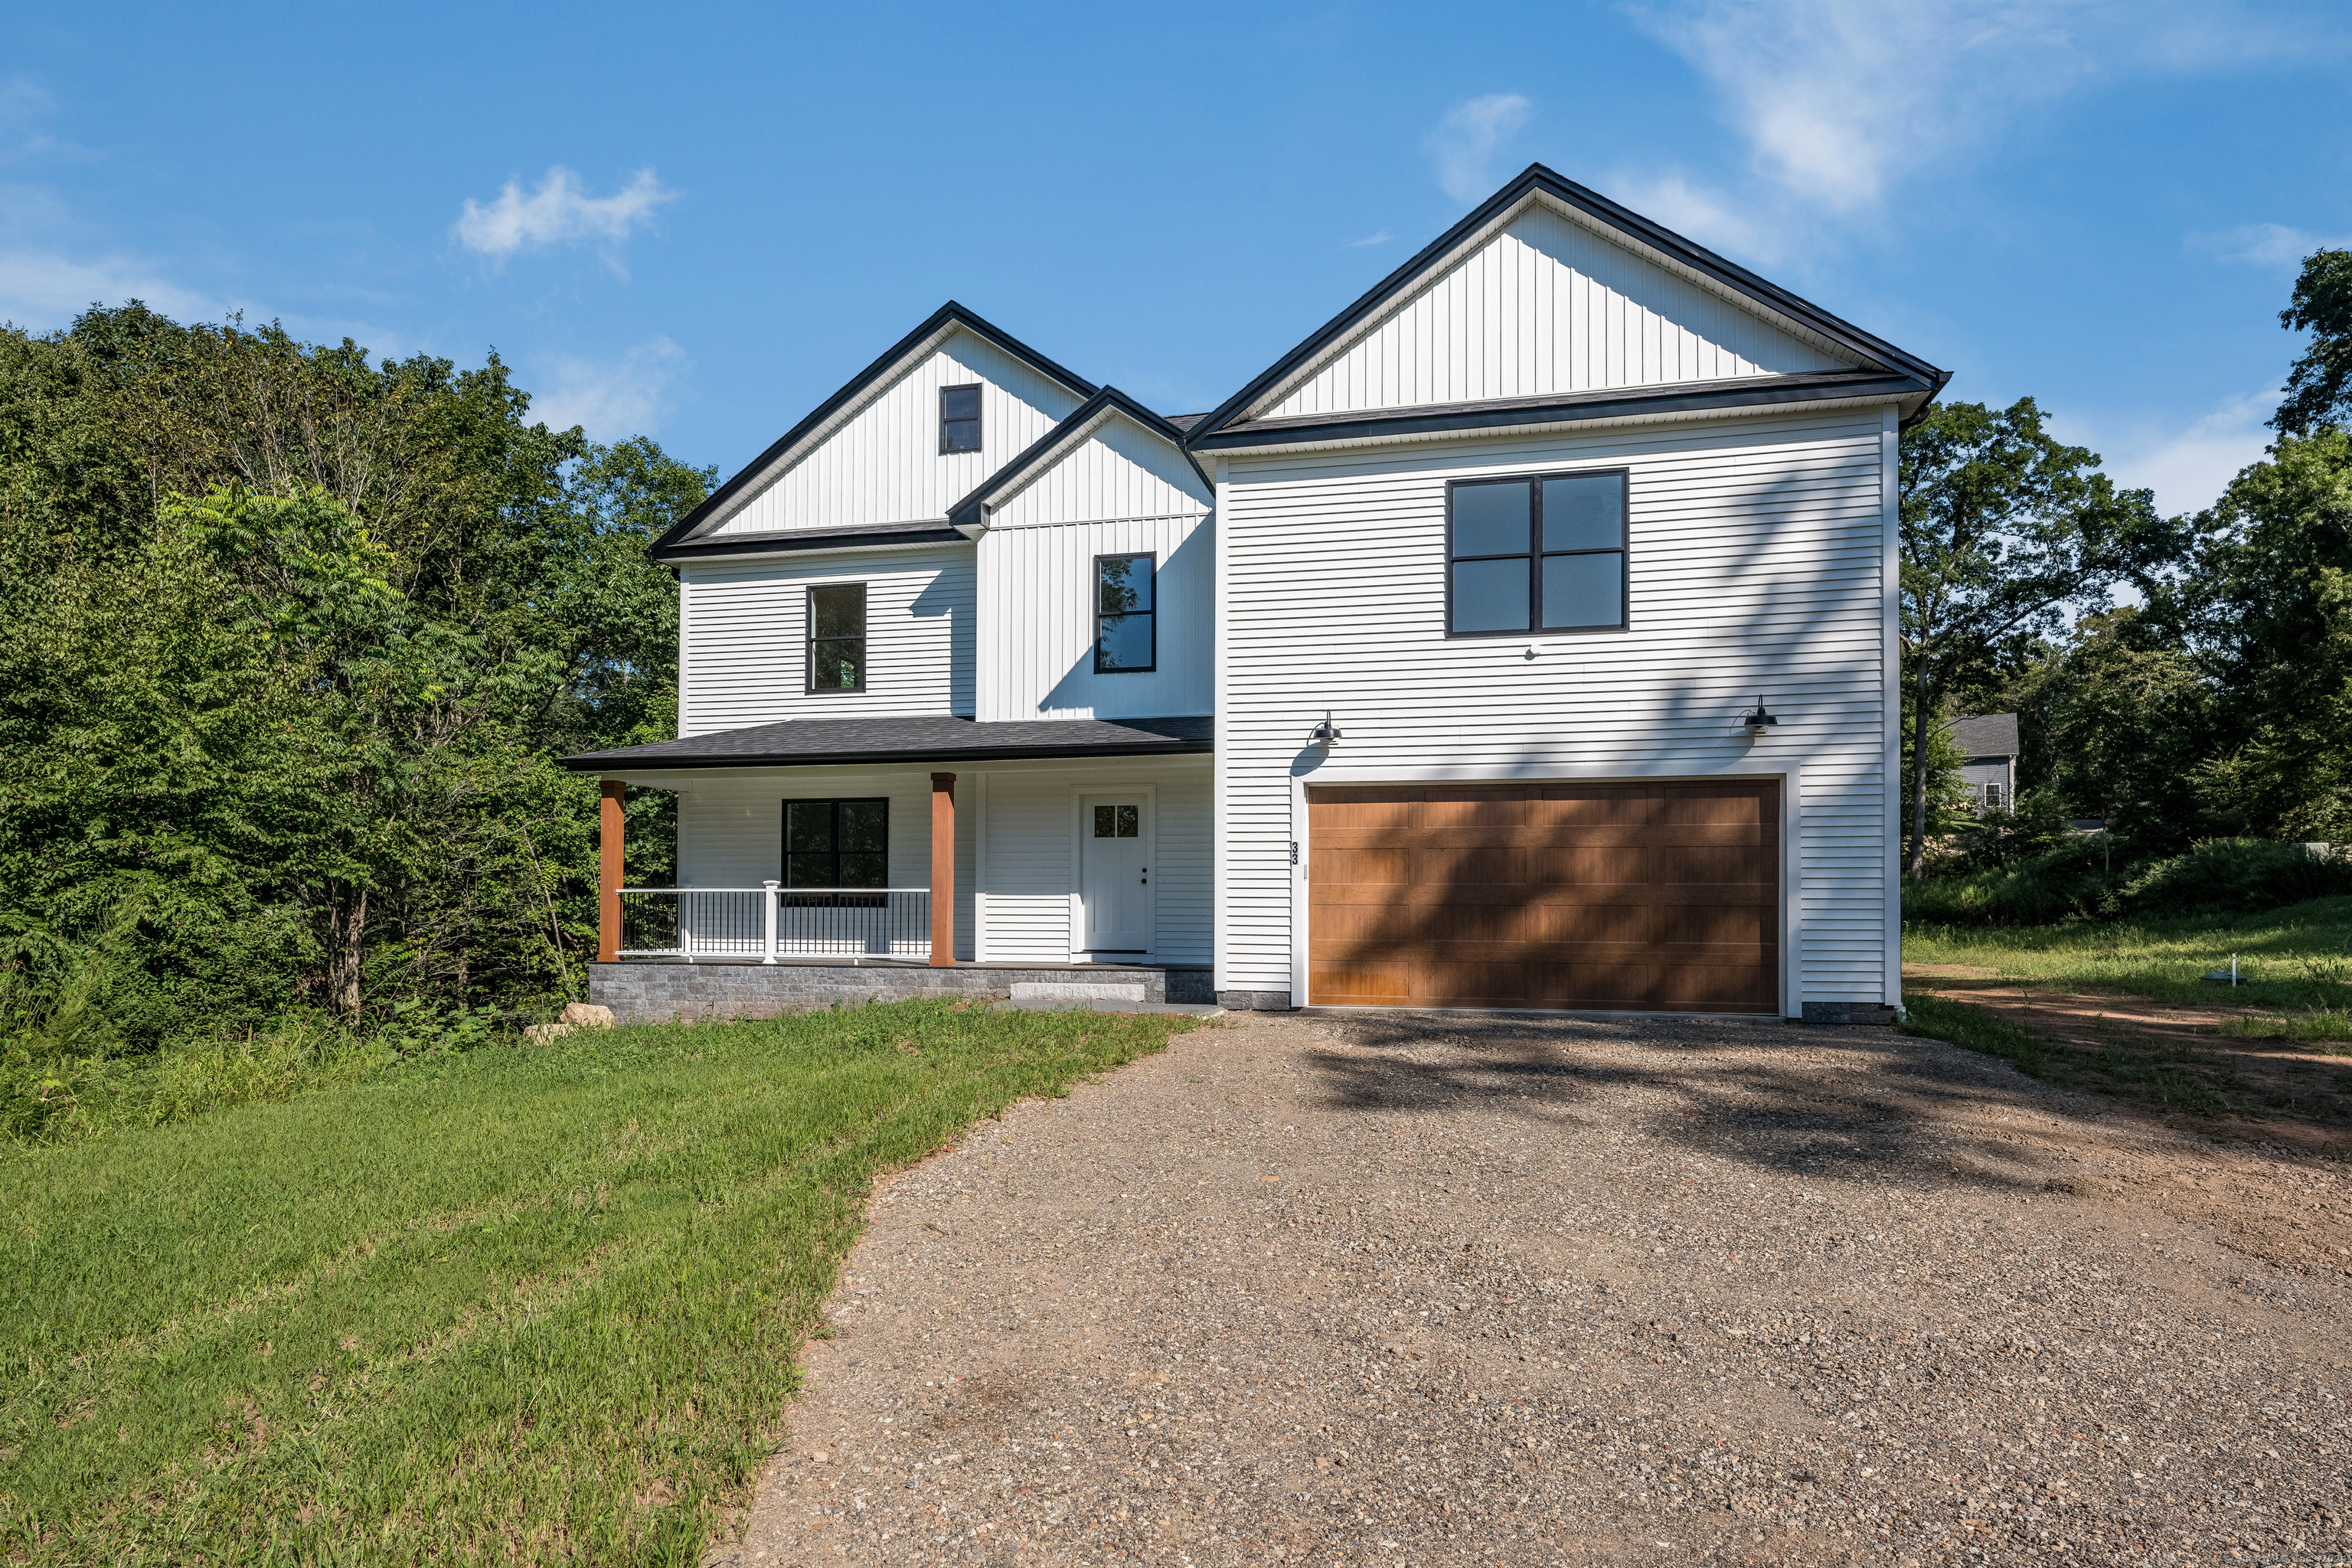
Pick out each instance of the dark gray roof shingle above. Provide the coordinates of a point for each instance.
(927, 738)
(1988, 735)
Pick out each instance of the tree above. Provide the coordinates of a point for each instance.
(2319, 386)
(2003, 528)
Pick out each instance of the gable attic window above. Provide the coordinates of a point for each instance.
(836, 637)
(959, 419)
(1126, 625)
(1544, 552)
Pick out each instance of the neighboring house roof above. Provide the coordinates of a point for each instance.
(1988, 735)
(1879, 369)
(935, 329)
(924, 738)
(970, 511)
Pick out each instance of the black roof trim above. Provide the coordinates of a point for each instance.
(937, 738)
(967, 511)
(1732, 276)
(948, 312)
(780, 542)
(1617, 403)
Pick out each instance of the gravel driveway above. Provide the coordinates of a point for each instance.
(1389, 1289)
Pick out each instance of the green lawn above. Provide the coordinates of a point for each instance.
(520, 1305)
(2298, 960)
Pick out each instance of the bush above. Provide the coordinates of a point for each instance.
(2092, 880)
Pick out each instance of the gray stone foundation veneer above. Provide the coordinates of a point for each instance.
(1254, 1001)
(658, 993)
(1848, 1013)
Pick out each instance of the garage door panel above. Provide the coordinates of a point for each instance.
(1649, 897)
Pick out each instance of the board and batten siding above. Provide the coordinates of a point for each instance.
(1548, 307)
(884, 463)
(1757, 567)
(1120, 489)
(743, 625)
(730, 826)
(1038, 659)
(1026, 873)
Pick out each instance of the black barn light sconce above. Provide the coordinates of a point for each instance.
(1758, 720)
(1326, 733)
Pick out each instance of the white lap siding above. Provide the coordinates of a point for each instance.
(1758, 560)
(1027, 876)
(743, 655)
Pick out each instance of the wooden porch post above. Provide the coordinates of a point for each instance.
(942, 871)
(609, 873)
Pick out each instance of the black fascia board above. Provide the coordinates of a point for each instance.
(1594, 204)
(785, 541)
(1477, 415)
(606, 761)
(950, 311)
(967, 511)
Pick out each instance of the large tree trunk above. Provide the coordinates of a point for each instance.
(1917, 862)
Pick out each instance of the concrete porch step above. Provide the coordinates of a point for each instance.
(1080, 991)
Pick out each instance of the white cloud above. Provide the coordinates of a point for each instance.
(2268, 243)
(1839, 99)
(559, 211)
(2188, 465)
(611, 399)
(1380, 239)
(41, 288)
(1467, 138)
(1708, 216)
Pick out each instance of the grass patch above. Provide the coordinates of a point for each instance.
(2294, 958)
(1972, 1028)
(513, 1305)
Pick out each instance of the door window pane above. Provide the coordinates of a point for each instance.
(1491, 520)
(1584, 511)
(1490, 596)
(1105, 822)
(1130, 819)
(1584, 590)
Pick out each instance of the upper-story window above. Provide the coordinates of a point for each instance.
(1127, 622)
(958, 418)
(836, 637)
(1546, 553)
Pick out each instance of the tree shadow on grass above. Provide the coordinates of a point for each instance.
(1863, 1106)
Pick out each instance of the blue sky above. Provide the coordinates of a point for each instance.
(696, 222)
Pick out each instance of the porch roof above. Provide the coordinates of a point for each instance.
(928, 738)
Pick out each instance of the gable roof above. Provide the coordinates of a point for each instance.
(972, 512)
(1987, 735)
(949, 318)
(1881, 368)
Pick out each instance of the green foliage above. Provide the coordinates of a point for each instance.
(2003, 527)
(1971, 1028)
(290, 640)
(2087, 880)
(512, 1305)
(2319, 386)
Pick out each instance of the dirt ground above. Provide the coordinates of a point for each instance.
(1405, 1290)
(2172, 1059)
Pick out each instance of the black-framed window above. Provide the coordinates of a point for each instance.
(836, 637)
(958, 418)
(1126, 619)
(1543, 553)
(837, 844)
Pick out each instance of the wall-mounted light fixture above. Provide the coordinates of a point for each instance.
(1758, 720)
(1326, 733)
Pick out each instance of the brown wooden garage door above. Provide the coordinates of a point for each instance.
(1659, 895)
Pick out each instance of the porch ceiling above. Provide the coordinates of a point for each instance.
(931, 738)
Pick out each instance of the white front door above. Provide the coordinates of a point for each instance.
(1115, 873)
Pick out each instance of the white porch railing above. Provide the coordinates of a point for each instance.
(771, 921)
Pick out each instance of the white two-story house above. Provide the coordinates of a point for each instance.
(1523, 639)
